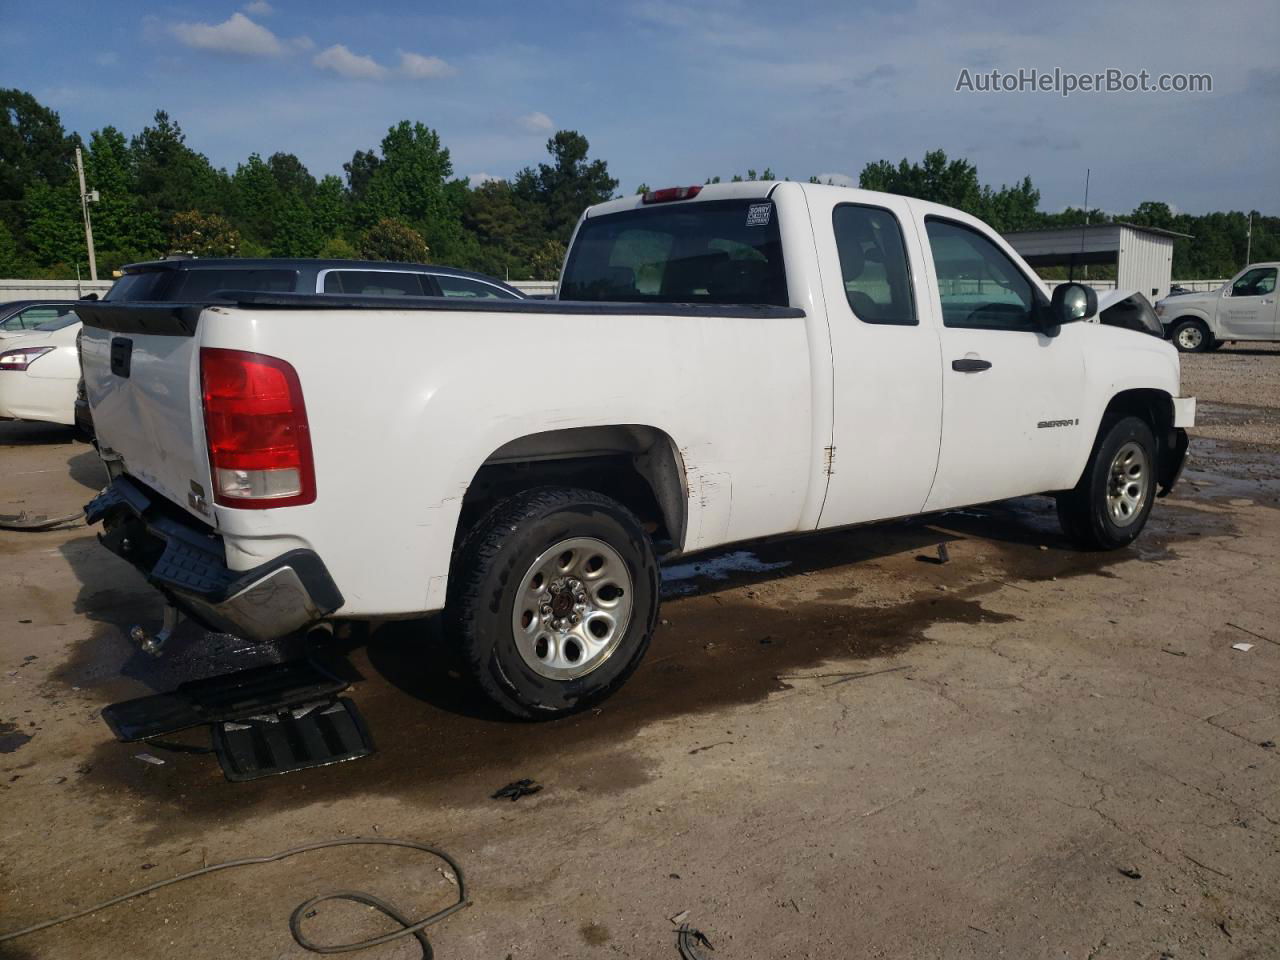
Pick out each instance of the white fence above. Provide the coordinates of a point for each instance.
(51, 289)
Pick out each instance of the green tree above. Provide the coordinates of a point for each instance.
(546, 261)
(203, 234)
(951, 182)
(34, 148)
(124, 229)
(171, 177)
(562, 189)
(12, 266)
(390, 239)
(502, 225)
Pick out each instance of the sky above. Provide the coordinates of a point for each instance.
(672, 92)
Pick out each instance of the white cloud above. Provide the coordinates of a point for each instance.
(302, 42)
(839, 179)
(536, 122)
(259, 8)
(237, 35)
(353, 66)
(108, 58)
(418, 67)
(476, 179)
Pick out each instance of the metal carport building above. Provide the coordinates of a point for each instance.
(1143, 256)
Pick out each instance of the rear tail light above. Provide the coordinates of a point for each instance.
(667, 194)
(22, 358)
(256, 427)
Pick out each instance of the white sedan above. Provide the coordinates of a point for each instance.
(39, 372)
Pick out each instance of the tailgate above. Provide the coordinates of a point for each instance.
(141, 375)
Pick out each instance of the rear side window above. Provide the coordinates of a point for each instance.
(873, 264)
(468, 289)
(720, 251)
(198, 284)
(378, 283)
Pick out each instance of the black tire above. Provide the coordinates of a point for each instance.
(487, 573)
(1190, 335)
(1084, 511)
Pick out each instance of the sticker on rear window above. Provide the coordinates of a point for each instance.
(758, 214)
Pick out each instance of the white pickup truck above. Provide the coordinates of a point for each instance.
(1246, 307)
(725, 363)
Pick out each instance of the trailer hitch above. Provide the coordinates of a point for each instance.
(153, 643)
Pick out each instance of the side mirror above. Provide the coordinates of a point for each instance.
(1072, 302)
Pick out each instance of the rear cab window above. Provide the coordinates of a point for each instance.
(714, 251)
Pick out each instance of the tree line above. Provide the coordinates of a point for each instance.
(401, 200)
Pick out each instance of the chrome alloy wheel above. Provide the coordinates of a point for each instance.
(572, 609)
(1190, 337)
(1128, 484)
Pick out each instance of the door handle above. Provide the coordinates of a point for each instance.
(970, 365)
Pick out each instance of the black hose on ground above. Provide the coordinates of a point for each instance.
(408, 928)
(22, 521)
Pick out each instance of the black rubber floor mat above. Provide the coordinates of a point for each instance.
(313, 735)
(227, 697)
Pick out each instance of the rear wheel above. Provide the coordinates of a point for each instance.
(1109, 506)
(553, 599)
(1191, 336)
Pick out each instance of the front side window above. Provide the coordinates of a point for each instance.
(1257, 282)
(377, 283)
(873, 264)
(716, 251)
(979, 286)
(468, 289)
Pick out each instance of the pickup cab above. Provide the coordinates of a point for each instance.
(1243, 308)
(723, 363)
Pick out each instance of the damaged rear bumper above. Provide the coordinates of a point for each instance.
(186, 561)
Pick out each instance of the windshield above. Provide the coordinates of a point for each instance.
(721, 251)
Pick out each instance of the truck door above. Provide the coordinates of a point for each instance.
(886, 368)
(1248, 306)
(1012, 395)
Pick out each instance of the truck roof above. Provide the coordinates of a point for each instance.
(761, 189)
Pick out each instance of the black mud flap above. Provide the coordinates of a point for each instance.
(1173, 457)
(311, 735)
(228, 697)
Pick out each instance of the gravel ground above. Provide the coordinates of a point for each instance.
(835, 748)
(1239, 392)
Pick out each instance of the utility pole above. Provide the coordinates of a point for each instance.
(1248, 242)
(85, 199)
(1086, 219)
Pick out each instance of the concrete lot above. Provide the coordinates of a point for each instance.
(837, 750)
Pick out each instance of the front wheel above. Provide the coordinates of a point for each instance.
(1191, 336)
(553, 599)
(1109, 506)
